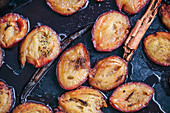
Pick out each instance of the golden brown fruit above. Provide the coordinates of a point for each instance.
(82, 100)
(108, 73)
(165, 14)
(13, 28)
(110, 30)
(157, 48)
(131, 6)
(32, 107)
(56, 110)
(6, 98)
(40, 46)
(66, 7)
(73, 67)
(131, 97)
(140, 28)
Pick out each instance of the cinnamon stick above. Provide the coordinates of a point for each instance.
(134, 38)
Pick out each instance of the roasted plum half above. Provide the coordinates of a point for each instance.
(1, 57)
(110, 30)
(73, 67)
(82, 100)
(108, 73)
(165, 15)
(131, 97)
(40, 46)
(66, 7)
(56, 110)
(157, 48)
(131, 6)
(7, 98)
(31, 107)
(13, 28)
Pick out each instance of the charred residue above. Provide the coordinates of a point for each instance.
(80, 63)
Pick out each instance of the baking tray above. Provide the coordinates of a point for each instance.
(48, 90)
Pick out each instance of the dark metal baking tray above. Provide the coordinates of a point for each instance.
(48, 90)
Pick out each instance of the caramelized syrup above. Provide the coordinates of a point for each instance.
(148, 74)
(14, 71)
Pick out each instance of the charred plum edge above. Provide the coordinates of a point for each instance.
(12, 90)
(120, 43)
(126, 71)
(148, 55)
(79, 88)
(129, 83)
(34, 102)
(131, 13)
(23, 19)
(36, 28)
(57, 67)
(162, 10)
(61, 13)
